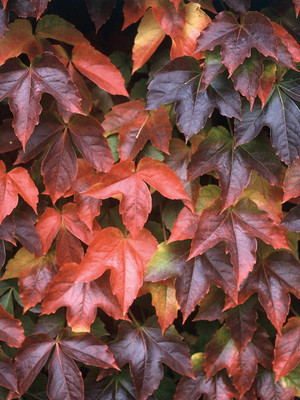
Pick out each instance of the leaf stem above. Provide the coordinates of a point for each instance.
(294, 312)
(133, 318)
(162, 223)
(229, 126)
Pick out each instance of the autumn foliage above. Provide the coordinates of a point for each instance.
(149, 181)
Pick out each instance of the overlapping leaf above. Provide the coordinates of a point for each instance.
(145, 349)
(180, 81)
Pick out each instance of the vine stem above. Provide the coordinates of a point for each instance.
(133, 317)
(163, 224)
(294, 312)
(230, 127)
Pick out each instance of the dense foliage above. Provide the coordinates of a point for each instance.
(149, 181)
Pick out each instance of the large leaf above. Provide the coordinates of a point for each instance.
(81, 299)
(281, 114)
(11, 330)
(180, 81)
(272, 279)
(24, 87)
(125, 256)
(218, 387)
(221, 352)
(135, 204)
(238, 227)
(234, 166)
(238, 38)
(145, 349)
(136, 126)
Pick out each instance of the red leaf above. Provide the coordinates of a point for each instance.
(291, 184)
(59, 167)
(24, 87)
(47, 227)
(273, 278)
(11, 330)
(164, 301)
(125, 256)
(87, 207)
(15, 182)
(135, 126)
(133, 10)
(81, 299)
(145, 349)
(68, 248)
(98, 68)
(238, 227)
(236, 39)
(19, 39)
(135, 204)
(221, 352)
(288, 48)
(77, 227)
(287, 348)
(65, 379)
(31, 358)
(266, 81)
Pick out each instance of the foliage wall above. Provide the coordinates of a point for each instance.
(149, 181)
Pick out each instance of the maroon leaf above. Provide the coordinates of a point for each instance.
(8, 377)
(241, 6)
(267, 389)
(31, 358)
(145, 350)
(100, 11)
(59, 167)
(236, 39)
(180, 81)
(65, 379)
(11, 330)
(24, 87)
(292, 220)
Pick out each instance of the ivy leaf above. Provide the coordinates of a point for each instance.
(238, 227)
(221, 352)
(11, 330)
(288, 48)
(180, 81)
(292, 220)
(218, 387)
(24, 87)
(17, 40)
(267, 389)
(234, 166)
(194, 276)
(40, 6)
(237, 39)
(17, 181)
(98, 68)
(136, 126)
(241, 321)
(287, 349)
(8, 377)
(241, 6)
(81, 299)
(145, 349)
(272, 279)
(291, 184)
(246, 77)
(35, 275)
(100, 11)
(135, 204)
(281, 114)
(164, 301)
(125, 256)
